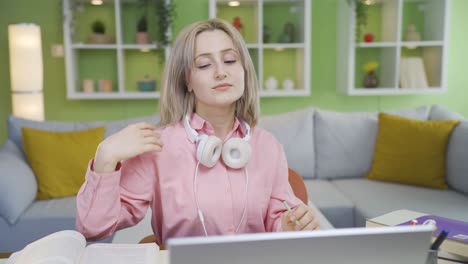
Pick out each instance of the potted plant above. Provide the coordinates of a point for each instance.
(360, 11)
(164, 14)
(98, 34)
(142, 35)
(370, 79)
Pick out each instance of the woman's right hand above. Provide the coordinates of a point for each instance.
(129, 142)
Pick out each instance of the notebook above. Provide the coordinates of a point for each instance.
(401, 244)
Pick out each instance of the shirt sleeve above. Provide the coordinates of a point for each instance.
(107, 202)
(281, 191)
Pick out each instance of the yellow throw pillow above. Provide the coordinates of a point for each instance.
(411, 151)
(60, 159)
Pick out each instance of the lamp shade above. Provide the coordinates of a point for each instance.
(26, 70)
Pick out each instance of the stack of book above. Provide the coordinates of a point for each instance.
(453, 249)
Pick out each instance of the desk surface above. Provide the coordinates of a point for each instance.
(163, 258)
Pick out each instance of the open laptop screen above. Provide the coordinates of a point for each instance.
(402, 244)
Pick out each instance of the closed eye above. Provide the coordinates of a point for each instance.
(230, 61)
(203, 66)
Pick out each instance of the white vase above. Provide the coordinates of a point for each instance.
(88, 86)
(271, 83)
(288, 85)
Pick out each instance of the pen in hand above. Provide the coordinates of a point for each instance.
(440, 238)
(289, 210)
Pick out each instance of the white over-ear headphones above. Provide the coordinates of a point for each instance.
(235, 152)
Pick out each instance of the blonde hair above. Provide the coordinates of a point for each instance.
(176, 101)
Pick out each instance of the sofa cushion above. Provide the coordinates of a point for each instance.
(457, 150)
(333, 204)
(344, 142)
(114, 126)
(295, 132)
(15, 124)
(440, 112)
(457, 158)
(373, 198)
(60, 159)
(411, 151)
(18, 186)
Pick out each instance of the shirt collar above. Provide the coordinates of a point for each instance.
(200, 124)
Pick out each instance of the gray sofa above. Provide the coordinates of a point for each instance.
(22, 218)
(331, 150)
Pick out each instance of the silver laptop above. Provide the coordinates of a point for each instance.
(402, 244)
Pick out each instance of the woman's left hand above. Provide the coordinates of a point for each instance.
(302, 213)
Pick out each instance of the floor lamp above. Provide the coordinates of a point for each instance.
(26, 71)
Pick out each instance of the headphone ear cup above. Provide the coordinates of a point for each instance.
(209, 150)
(236, 153)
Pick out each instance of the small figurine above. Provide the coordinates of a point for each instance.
(412, 34)
(369, 37)
(237, 23)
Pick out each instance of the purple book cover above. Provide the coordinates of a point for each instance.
(458, 230)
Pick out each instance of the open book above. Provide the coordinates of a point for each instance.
(69, 247)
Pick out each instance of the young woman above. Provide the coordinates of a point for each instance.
(206, 169)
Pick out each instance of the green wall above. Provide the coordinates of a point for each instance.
(47, 14)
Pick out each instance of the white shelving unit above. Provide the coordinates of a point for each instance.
(274, 58)
(116, 54)
(388, 21)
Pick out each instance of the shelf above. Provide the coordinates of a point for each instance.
(93, 46)
(141, 46)
(278, 37)
(135, 61)
(115, 95)
(290, 68)
(111, 67)
(422, 43)
(252, 45)
(377, 45)
(386, 59)
(428, 18)
(87, 14)
(408, 40)
(393, 91)
(281, 93)
(247, 14)
(284, 46)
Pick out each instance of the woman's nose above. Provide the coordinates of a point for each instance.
(220, 73)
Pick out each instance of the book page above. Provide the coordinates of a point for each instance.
(120, 254)
(63, 247)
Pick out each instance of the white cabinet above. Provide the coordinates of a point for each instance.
(113, 66)
(406, 38)
(278, 36)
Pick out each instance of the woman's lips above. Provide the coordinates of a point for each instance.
(222, 87)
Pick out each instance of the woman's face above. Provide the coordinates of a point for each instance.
(217, 75)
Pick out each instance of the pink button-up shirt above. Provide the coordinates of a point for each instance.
(164, 180)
